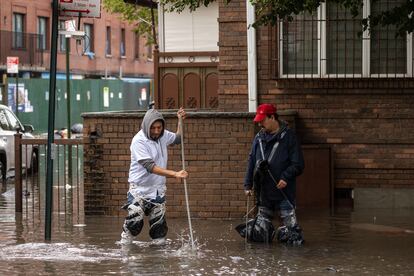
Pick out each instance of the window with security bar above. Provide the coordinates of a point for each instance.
(62, 38)
(88, 42)
(18, 30)
(331, 43)
(42, 33)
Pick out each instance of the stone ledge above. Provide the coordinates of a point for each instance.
(172, 114)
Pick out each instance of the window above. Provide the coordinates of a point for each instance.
(89, 38)
(300, 45)
(62, 38)
(136, 48)
(4, 124)
(331, 43)
(18, 31)
(388, 52)
(42, 33)
(122, 50)
(108, 49)
(343, 44)
(14, 123)
(8, 120)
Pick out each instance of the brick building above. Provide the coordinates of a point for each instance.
(109, 49)
(352, 93)
(349, 97)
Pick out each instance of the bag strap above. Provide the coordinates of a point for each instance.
(275, 146)
(261, 148)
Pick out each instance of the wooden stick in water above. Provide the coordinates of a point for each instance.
(185, 184)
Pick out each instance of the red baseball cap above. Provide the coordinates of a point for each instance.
(264, 110)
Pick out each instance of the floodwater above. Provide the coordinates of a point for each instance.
(335, 245)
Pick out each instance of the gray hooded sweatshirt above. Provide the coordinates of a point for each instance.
(145, 153)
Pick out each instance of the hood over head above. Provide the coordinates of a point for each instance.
(150, 117)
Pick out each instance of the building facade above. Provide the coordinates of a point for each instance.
(352, 90)
(109, 49)
(348, 93)
(186, 64)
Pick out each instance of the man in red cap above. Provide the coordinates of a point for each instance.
(275, 161)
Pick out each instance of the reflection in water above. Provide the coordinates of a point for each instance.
(333, 246)
(381, 228)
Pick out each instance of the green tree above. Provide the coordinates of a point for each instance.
(268, 12)
(140, 16)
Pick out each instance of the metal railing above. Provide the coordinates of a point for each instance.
(331, 43)
(30, 177)
(22, 45)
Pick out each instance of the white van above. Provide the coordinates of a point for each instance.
(9, 125)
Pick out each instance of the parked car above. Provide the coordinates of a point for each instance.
(9, 125)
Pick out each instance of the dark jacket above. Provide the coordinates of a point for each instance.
(287, 163)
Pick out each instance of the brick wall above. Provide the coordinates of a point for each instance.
(81, 64)
(369, 123)
(233, 56)
(216, 150)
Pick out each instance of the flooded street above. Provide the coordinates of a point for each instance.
(344, 243)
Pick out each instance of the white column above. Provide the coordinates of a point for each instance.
(251, 57)
(161, 34)
(366, 43)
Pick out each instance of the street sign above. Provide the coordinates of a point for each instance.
(86, 8)
(143, 94)
(70, 25)
(12, 65)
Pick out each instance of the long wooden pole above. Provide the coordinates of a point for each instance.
(185, 184)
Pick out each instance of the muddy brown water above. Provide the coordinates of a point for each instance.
(88, 246)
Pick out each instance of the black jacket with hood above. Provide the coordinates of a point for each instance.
(287, 163)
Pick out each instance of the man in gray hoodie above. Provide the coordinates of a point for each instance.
(147, 177)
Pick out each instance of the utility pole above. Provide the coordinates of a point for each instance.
(68, 82)
(5, 92)
(67, 38)
(51, 122)
(17, 95)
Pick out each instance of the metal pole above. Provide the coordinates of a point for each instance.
(68, 109)
(6, 90)
(17, 95)
(68, 83)
(51, 122)
(18, 172)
